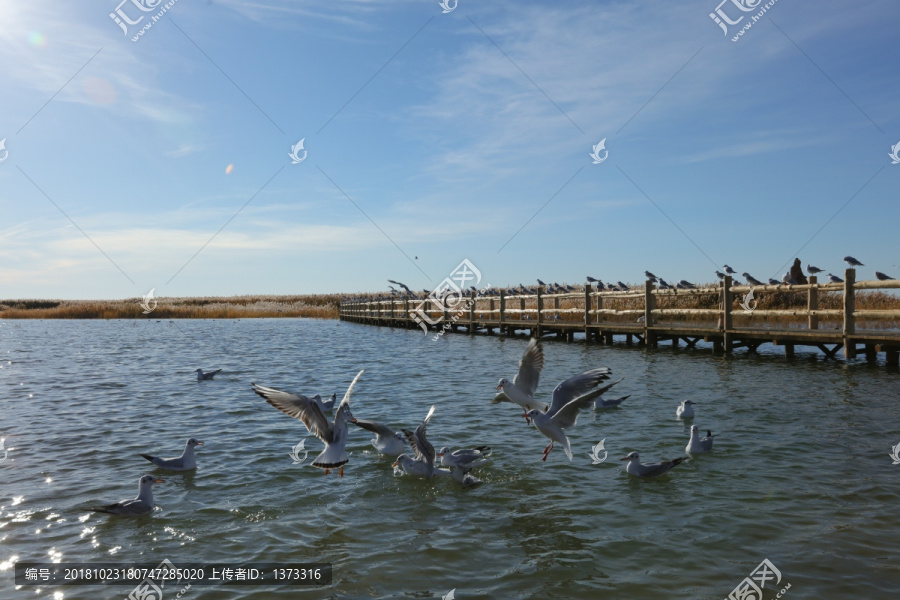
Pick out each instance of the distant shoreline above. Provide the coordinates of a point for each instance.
(315, 306)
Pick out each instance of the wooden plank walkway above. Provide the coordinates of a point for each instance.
(568, 314)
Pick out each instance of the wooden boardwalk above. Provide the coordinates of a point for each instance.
(596, 315)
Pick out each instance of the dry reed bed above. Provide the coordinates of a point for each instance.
(318, 306)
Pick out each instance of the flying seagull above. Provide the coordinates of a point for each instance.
(142, 505)
(308, 412)
(521, 390)
(569, 398)
(185, 462)
(423, 463)
(386, 440)
(637, 468)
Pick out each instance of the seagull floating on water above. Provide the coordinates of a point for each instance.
(186, 462)
(602, 402)
(853, 262)
(685, 410)
(423, 463)
(386, 441)
(307, 411)
(521, 390)
(201, 376)
(569, 398)
(638, 469)
(698, 444)
(142, 505)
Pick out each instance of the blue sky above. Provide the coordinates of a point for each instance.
(448, 133)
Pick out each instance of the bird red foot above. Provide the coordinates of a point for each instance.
(327, 471)
(341, 472)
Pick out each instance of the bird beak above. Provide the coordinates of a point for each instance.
(624, 458)
(199, 443)
(499, 387)
(396, 462)
(353, 419)
(158, 481)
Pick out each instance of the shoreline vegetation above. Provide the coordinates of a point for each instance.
(326, 306)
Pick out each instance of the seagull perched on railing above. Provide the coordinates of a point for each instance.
(751, 279)
(592, 280)
(663, 284)
(853, 262)
(541, 282)
(650, 276)
(720, 274)
(788, 279)
(882, 277)
(813, 270)
(774, 281)
(622, 286)
(687, 284)
(729, 270)
(835, 278)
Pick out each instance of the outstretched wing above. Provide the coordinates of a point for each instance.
(577, 386)
(376, 428)
(343, 416)
(530, 367)
(299, 407)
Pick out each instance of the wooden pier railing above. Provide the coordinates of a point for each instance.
(729, 319)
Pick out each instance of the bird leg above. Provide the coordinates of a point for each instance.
(547, 450)
(527, 418)
(327, 471)
(341, 472)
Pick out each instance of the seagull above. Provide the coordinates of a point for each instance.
(853, 262)
(186, 462)
(467, 458)
(326, 405)
(592, 280)
(569, 398)
(729, 270)
(602, 402)
(788, 279)
(835, 278)
(720, 274)
(698, 444)
(386, 440)
(663, 284)
(521, 390)
(687, 284)
(882, 277)
(308, 412)
(637, 468)
(142, 505)
(541, 282)
(751, 279)
(462, 475)
(774, 281)
(201, 376)
(622, 286)
(423, 463)
(685, 410)
(650, 276)
(813, 270)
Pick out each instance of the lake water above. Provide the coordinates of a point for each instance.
(800, 474)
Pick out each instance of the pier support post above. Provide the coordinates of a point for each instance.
(727, 323)
(849, 307)
(649, 305)
(587, 312)
(540, 310)
(812, 301)
(474, 297)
